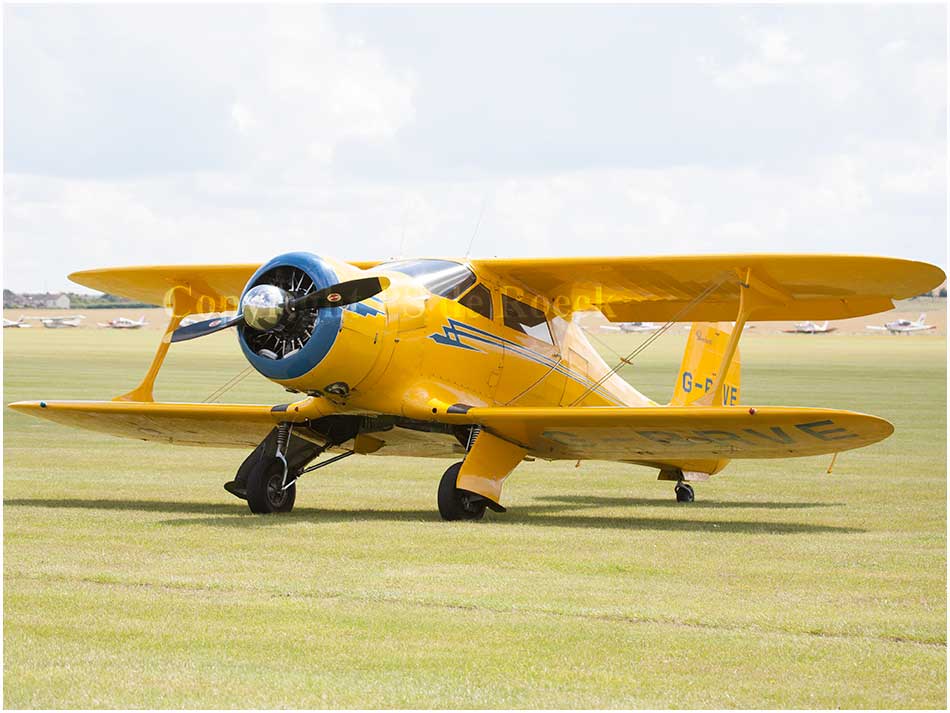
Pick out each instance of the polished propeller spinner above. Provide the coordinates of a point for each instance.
(281, 317)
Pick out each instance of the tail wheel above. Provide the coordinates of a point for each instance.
(265, 492)
(684, 493)
(455, 504)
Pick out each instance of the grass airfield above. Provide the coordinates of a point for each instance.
(132, 579)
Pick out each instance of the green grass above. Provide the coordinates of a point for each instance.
(131, 579)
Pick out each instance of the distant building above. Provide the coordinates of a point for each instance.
(39, 301)
(57, 302)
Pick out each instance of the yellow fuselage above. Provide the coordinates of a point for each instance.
(415, 354)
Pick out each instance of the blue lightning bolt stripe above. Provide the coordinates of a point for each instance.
(453, 334)
(363, 309)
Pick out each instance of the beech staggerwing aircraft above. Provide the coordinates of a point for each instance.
(482, 362)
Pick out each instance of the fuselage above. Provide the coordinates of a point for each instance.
(441, 335)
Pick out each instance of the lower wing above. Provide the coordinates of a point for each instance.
(669, 432)
(216, 425)
(622, 434)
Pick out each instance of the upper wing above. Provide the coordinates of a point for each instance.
(623, 288)
(215, 288)
(668, 432)
(219, 425)
(658, 288)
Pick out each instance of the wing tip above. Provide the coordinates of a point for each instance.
(27, 406)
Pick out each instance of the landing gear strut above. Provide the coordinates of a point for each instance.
(261, 479)
(455, 504)
(684, 492)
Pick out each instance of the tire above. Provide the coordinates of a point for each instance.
(263, 488)
(684, 493)
(455, 504)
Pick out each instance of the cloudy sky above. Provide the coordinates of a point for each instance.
(141, 134)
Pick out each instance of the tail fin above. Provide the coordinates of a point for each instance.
(704, 349)
(923, 316)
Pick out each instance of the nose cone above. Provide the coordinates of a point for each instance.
(264, 306)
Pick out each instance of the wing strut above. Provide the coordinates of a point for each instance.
(182, 304)
(144, 391)
(754, 295)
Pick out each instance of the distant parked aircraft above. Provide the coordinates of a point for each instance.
(61, 322)
(21, 323)
(904, 326)
(635, 327)
(124, 323)
(810, 328)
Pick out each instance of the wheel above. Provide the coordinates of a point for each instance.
(455, 504)
(684, 493)
(263, 488)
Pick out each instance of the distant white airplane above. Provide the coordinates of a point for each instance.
(61, 322)
(904, 326)
(21, 323)
(635, 327)
(124, 323)
(810, 328)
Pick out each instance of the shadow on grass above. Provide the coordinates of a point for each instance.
(552, 515)
(670, 502)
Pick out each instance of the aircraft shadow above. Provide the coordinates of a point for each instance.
(670, 502)
(546, 515)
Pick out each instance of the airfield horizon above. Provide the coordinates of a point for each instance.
(935, 307)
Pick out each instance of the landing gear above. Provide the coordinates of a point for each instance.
(684, 492)
(266, 491)
(455, 504)
(260, 479)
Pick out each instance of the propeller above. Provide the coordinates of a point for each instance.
(264, 307)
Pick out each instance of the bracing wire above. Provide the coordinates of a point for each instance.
(541, 378)
(229, 384)
(653, 337)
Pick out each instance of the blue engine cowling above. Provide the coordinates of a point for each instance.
(297, 347)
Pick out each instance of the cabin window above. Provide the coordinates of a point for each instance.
(478, 300)
(441, 277)
(526, 319)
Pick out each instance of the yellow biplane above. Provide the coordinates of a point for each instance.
(482, 361)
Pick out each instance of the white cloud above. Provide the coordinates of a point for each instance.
(196, 136)
(771, 60)
(835, 204)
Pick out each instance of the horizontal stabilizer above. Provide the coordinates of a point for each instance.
(665, 433)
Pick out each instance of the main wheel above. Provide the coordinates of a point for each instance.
(684, 493)
(455, 504)
(264, 494)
